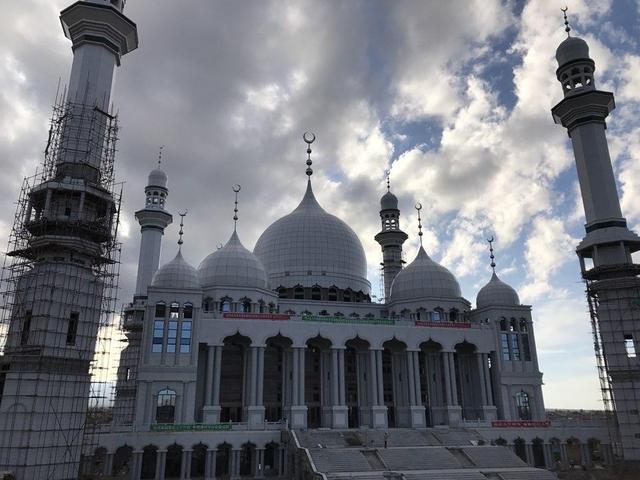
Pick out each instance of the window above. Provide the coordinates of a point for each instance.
(207, 303)
(503, 324)
(515, 346)
(523, 326)
(453, 315)
(504, 346)
(174, 310)
(185, 337)
(333, 295)
(526, 349)
(513, 325)
(225, 304)
(246, 305)
(158, 336)
(161, 310)
(127, 374)
(26, 328)
(261, 306)
(629, 345)
(172, 336)
(436, 316)
(346, 296)
(166, 406)
(298, 293)
(72, 328)
(522, 406)
(187, 311)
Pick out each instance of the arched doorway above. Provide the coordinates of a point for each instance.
(537, 446)
(122, 462)
(432, 382)
(395, 388)
(271, 460)
(556, 452)
(247, 459)
(519, 447)
(149, 459)
(98, 461)
(573, 452)
(468, 381)
(223, 460)
(595, 451)
(355, 364)
(173, 462)
(232, 376)
(275, 368)
(198, 461)
(317, 382)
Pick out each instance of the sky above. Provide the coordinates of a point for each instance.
(453, 98)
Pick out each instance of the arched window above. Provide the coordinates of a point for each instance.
(282, 292)
(513, 325)
(166, 406)
(316, 292)
(298, 292)
(346, 296)
(306, 313)
(354, 315)
(187, 310)
(272, 307)
(245, 305)
(338, 314)
(369, 315)
(522, 405)
(225, 304)
(207, 304)
(333, 294)
(174, 310)
(453, 315)
(436, 315)
(261, 306)
(503, 324)
(161, 310)
(323, 313)
(523, 325)
(520, 449)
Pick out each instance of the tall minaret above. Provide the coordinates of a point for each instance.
(153, 219)
(390, 238)
(613, 287)
(63, 251)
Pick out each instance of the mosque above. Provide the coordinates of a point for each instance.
(278, 363)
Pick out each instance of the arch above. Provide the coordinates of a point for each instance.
(556, 451)
(166, 406)
(247, 459)
(503, 325)
(347, 295)
(223, 460)
(573, 452)
(468, 380)
(454, 315)
(160, 310)
(225, 304)
(234, 359)
(323, 313)
(500, 442)
(275, 356)
(316, 292)
(262, 306)
(355, 366)
(537, 447)
(187, 310)
(298, 292)
(173, 462)
(98, 460)
(332, 294)
(122, 462)
(595, 450)
(523, 406)
(271, 466)
(393, 380)
(519, 447)
(207, 304)
(174, 310)
(245, 305)
(317, 369)
(149, 459)
(198, 461)
(433, 379)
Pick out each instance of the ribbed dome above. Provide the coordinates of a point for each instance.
(389, 202)
(497, 293)
(573, 48)
(176, 274)
(424, 278)
(157, 178)
(232, 266)
(310, 246)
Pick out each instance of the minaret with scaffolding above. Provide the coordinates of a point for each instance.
(60, 276)
(611, 276)
(153, 220)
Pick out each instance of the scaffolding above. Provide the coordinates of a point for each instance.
(58, 290)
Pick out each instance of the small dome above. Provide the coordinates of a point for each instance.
(176, 274)
(497, 293)
(157, 178)
(232, 265)
(573, 48)
(310, 246)
(424, 278)
(389, 202)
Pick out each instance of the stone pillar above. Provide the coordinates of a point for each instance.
(259, 463)
(211, 409)
(161, 463)
(548, 457)
(453, 410)
(339, 411)
(234, 469)
(417, 413)
(563, 455)
(528, 449)
(378, 408)
(489, 410)
(298, 409)
(185, 466)
(210, 464)
(585, 454)
(135, 472)
(255, 409)
(107, 468)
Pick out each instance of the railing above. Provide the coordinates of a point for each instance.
(348, 320)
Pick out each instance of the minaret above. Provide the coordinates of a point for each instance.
(390, 238)
(62, 248)
(153, 219)
(613, 287)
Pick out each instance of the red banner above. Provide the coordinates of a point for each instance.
(521, 423)
(257, 316)
(420, 323)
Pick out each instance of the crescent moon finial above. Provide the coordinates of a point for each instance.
(309, 138)
(418, 207)
(236, 188)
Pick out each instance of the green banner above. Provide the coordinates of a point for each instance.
(351, 320)
(190, 427)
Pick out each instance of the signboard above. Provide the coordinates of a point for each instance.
(257, 316)
(420, 323)
(351, 320)
(521, 423)
(190, 427)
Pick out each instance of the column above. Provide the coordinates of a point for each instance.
(453, 410)
(108, 464)
(447, 378)
(260, 388)
(528, 448)
(295, 374)
(411, 378)
(339, 411)
(548, 457)
(259, 463)
(235, 463)
(341, 382)
(210, 464)
(378, 408)
(298, 408)
(185, 464)
(255, 408)
(380, 379)
(208, 380)
(373, 379)
(161, 462)
(136, 468)
(211, 409)
(335, 400)
(301, 374)
(417, 412)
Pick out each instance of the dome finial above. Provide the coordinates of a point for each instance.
(491, 255)
(181, 232)
(236, 189)
(160, 155)
(567, 28)
(418, 207)
(309, 138)
(388, 173)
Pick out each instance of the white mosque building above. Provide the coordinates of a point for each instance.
(277, 362)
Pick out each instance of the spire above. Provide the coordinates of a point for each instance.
(160, 156)
(309, 138)
(491, 255)
(418, 208)
(567, 28)
(181, 232)
(388, 172)
(236, 189)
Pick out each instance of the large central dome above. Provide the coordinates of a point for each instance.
(312, 247)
